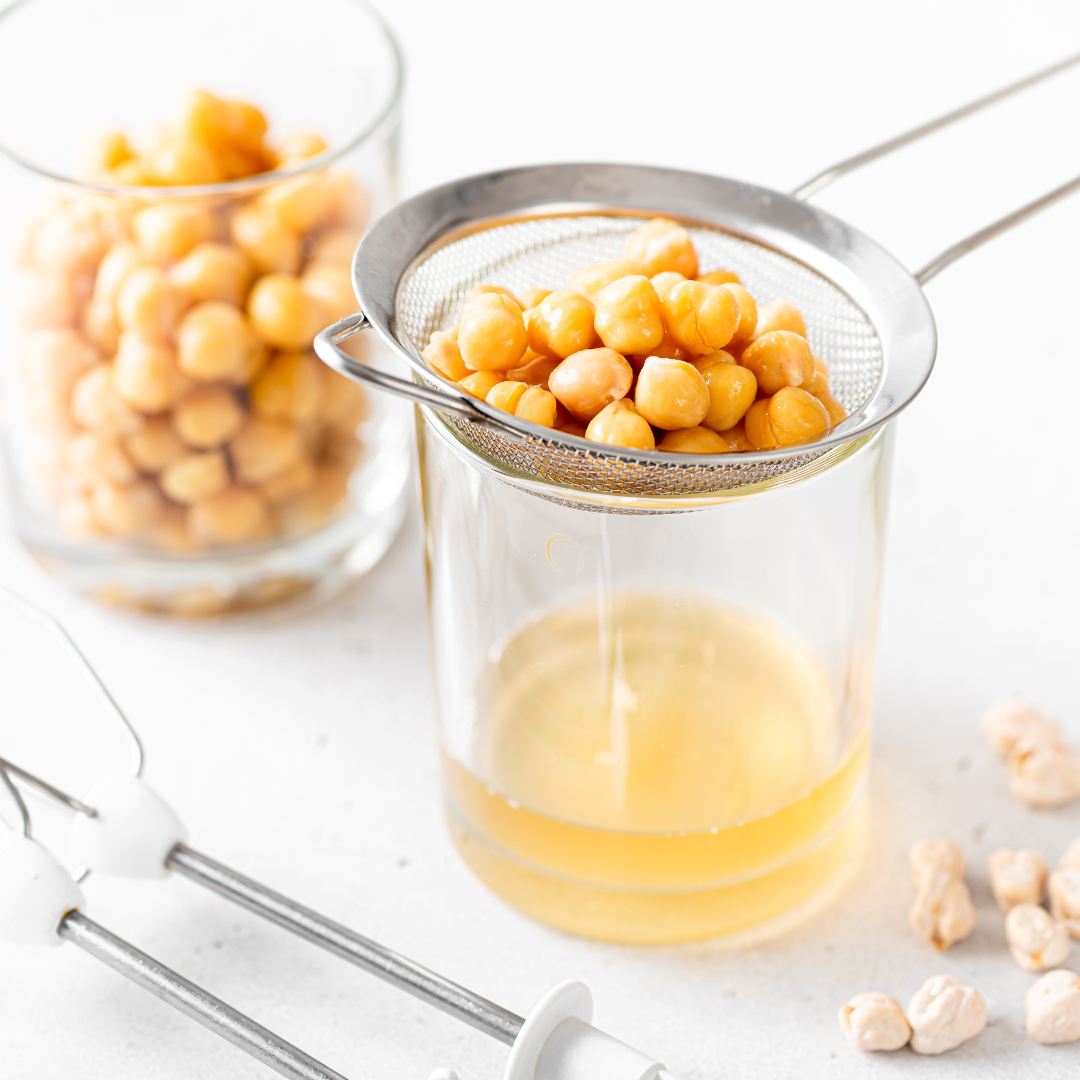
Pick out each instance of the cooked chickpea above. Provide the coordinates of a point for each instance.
(208, 417)
(154, 445)
(480, 383)
(736, 439)
(700, 318)
(282, 314)
(779, 358)
(491, 335)
(780, 315)
(126, 509)
(299, 203)
(56, 358)
(310, 510)
(506, 395)
(238, 515)
(148, 303)
(720, 277)
(563, 324)
(298, 147)
(145, 373)
(332, 287)
(534, 370)
(661, 245)
(182, 162)
(292, 481)
(665, 282)
(69, 237)
(732, 390)
(263, 448)
(836, 411)
(335, 247)
(290, 388)
(619, 424)
(531, 298)
(629, 316)
(479, 290)
(99, 459)
(758, 426)
(213, 341)
(671, 394)
(100, 152)
(747, 315)
(97, 406)
(42, 299)
(695, 440)
(797, 416)
(167, 233)
(170, 532)
(344, 403)
(213, 271)
(195, 477)
(264, 239)
(538, 406)
(591, 281)
(590, 380)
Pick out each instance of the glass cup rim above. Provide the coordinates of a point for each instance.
(250, 183)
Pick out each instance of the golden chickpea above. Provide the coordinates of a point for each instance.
(56, 358)
(666, 350)
(491, 335)
(796, 416)
(332, 287)
(479, 290)
(506, 395)
(118, 262)
(480, 383)
(780, 315)
(299, 203)
(42, 299)
(213, 272)
(145, 373)
(562, 325)
(208, 417)
(310, 510)
(534, 371)
(148, 303)
(291, 388)
(819, 384)
(282, 314)
(100, 152)
(96, 406)
(758, 426)
(779, 358)
(349, 204)
(263, 448)
(154, 445)
(167, 233)
(133, 173)
(720, 277)
(747, 315)
(629, 317)
(590, 380)
(732, 390)
(572, 427)
(99, 459)
(273, 248)
(443, 355)
(591, 281)
(736, 439)
(170, 532)
(299, 147)
(292, 481)
(247, 125)
(671, 394)
(700, 318)
(538, 406)
(695, 440)
(126, 509)
(531, 298)
(663, 283)
(620, 424)
(238, 515)
(703, 363)
(836, 411)
(255, 361)
(213, 341)
(335, 247)
(195, 477)
(661, 245)
(183, 162)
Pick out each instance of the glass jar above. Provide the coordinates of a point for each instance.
(137, 472)
(654, 714)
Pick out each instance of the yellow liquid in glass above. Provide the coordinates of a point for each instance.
(656, 770)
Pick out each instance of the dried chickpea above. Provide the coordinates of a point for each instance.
(695, 440)
(874, 1021)
(99, 459)
(720, 277)
(779, 315)
(292, 481)
(1064, 889)
(208, 417)
(535, 371)
(96, 406)
(700, 318)
(332, 287)
(145, 373)
(126, 509)
(628, 316)
(620, 424)
(42, 299)
(506, 395)
(779, 358)
(591, 281)
(480, 383)
(272, 248)
(796, 416)
(665, 282)
(479, 290)
(538, 406)
(747, 315)
(300, 203)
(335, 247)
(1017, 877)
(1052, 1008)
(154, 445)
(263, 448)
(1010, 717)
(943, 1014)
(238, 515)
(661, 245)
(732, 390)
(590, 380)
(213, 341)
(1044, 772)
(1036, 939)
(291, 387)
(282, 314)
(563, 324)
(531, 298)
(491, 335)
(837, 412)
(195, 477)
(167, 233)
(671, 394)
(942, 913)
(213, 271)
(148, 303)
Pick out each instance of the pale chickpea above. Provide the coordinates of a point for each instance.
(294, 480)
(720, 277)
(184, 162)
(747, 316)
(148, 303)
(310, 510)
(480, 383)
(348, 202)
(96, 406)
(135, 172)
(589, 381)
(213, 341)
(758, 426)
(335, 247)
(167, 233)
(282, 314)
(534, 370)
(299, 203)
(530, 298)
(695, 440)
(700, 318)
(56, 358)
(572, 427)
(69, 237)
(332, 287)
(99, 459)
(101, 151)
(298, 147)
(443, 355)
(208, 417)
(732, 390)
(661, 245)
(238, 515)
(629, 317)
(796, 416)
(272, 248)
(195, 477)
(671, 394)
(145, 373)
(263, 448)
(292, 387)
(591, 281)
(780, 315)
(779, 358)
(213, 271)
(538, 406)
(663, 283)
(563, 324)
(620, 424)
(491, 335)
(126, 509)
(479, 290)
(506, 395)
(42, 299)
(154, 445)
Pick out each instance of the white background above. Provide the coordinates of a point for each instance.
(301, 749)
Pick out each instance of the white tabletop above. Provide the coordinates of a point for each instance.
(301, 749)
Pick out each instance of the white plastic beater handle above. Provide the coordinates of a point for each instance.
(36, 892)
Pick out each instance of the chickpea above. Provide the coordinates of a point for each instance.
(780, 315)
(299, 147)
(97, 406)
(292, 481)
(572, 427)
(732, 390)
(1012, 716)
(237, 515)
(255, 360)
(263, 448)
(299, 203)
(758, 426)
(282, 314)
(736, 438)
(100, 152)
(76, 516)
(942, 913)
(666, 350)
(590, 380)
(874, 1021)
(661, 245)
(720, 277)
(56, 358)
(335, 247)
(535, 371)
(506, 395)
(208, 417)
(145, 373)
(99, 459)
(819, 384)
(492, 333)
(1044, 772)
(665, 282)
(695, 440)
(747, 315)
(479, 290)
(42, 299)
(700, 318)
(779, 358)
(797, 416)
(170, 532)
(562, 325)
(531, 298)
(943, 1014)
(344, 403)
(836, 411)
(247, 126)
(671, 394)
(1017, 877)
(126, 509)
(148, 303)
(154, 445)
(213, 341)
(349, 204)
(167, 233)
(538, 406)
(480, 383)
(291, 388)
(310, 510)
(213, 271)
(591, 281)
(265, 240)
(133, 173)
(113, 269)
(195, 477)
(703, 363)
(70, 237)
(629, 316)
(1052, 1008)
(619, 424)
(182, 162)
(1036, 939)
(444, 356)
(332, 287)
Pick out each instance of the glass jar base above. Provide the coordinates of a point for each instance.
(655, 918)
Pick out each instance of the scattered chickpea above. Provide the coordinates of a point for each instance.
(874, 1021)
(1036, 939)
(943, 1014)
(629, 316)
(1043, 772)
(590, 380)
(1018, 877)
(661, 245)
(563, 324)
(671, 394)
(491, 335)
(942, 913)
(1064, 889)
(620, 424)
(1052, 1006)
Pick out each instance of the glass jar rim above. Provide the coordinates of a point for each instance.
(246, 184)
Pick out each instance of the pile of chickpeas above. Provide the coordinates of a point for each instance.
(644, 352)
(171, 394)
